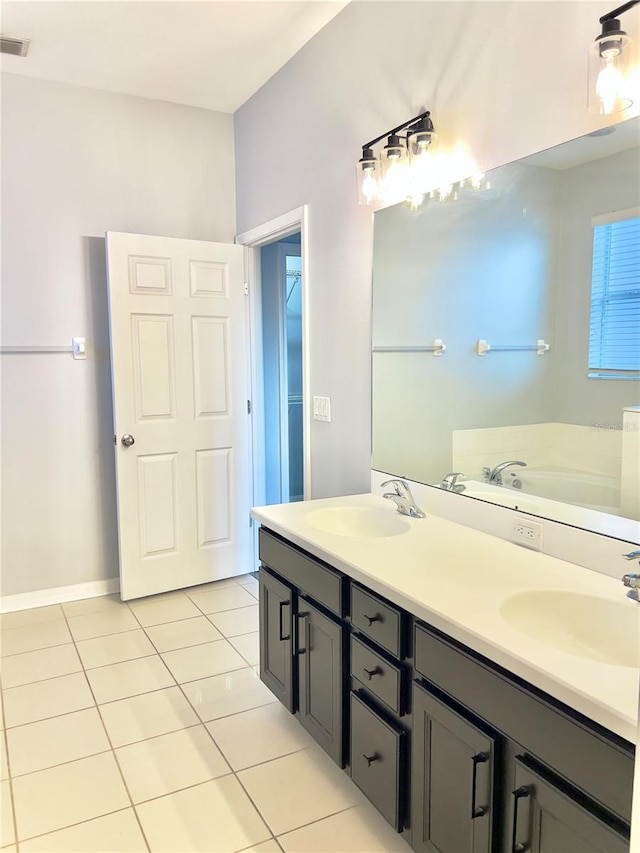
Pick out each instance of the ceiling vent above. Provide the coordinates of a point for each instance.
(14, 47)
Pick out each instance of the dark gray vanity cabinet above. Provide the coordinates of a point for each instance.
(457, 753)
(377, 759)
(277, 603)
(546, 820)
(557, 777)
(303, 639)
(379, 734)
(321, 689)
(453, 781)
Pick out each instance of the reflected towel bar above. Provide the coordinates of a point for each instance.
(540, 347)
(78, 349)
(437, 347)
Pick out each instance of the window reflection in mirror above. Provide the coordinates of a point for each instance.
(512, 266)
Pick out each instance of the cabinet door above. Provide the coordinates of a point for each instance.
(545, 820)
(378, 761)
(321, 679)
(452, 780)
(277, 605)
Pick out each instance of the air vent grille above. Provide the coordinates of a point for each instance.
(14, 47)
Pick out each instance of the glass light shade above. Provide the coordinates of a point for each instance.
(610, 58)
(368, 177)
(422, 166)
(395, 175)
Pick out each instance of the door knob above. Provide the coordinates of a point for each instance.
(127, 440)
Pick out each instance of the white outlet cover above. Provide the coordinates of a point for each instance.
(322, 409)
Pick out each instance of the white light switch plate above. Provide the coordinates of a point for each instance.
(322, 409)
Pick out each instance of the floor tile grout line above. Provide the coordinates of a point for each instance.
(44, 680)
(9, 776)
(233, 713)
(317, 820)
(109, 748)
(77, 823)
(113, 752)
(233, 772)
(39, 649)
(202, 722)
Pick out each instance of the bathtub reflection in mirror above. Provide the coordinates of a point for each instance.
(512, 266)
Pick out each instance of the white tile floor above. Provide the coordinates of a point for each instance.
(145, 727)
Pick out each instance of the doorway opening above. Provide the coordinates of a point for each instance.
(279, 355)
(281, 276)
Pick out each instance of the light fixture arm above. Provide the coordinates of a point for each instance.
(406, 124)
(616, 12)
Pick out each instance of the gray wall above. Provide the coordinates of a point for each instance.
(75, 163)
(593, 188)
(480, 267)
(498, 78)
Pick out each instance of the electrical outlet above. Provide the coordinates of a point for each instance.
(528, 533)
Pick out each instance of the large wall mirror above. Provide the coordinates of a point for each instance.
(532, 284)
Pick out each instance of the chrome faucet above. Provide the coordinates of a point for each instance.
(494, 475)
(632, 580)
(449, 482)
(402, 498)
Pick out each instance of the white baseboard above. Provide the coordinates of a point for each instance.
(58, 595)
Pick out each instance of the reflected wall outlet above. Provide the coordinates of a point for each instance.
(322, 409)
(528, 533)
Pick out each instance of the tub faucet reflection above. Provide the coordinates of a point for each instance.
(494, 475)
(402, 498)
(449, 482)
(632, 580)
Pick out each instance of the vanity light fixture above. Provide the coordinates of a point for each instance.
(609, 65)
(392, 175)
(409, 169)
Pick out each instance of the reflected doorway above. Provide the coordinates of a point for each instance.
(281, 275)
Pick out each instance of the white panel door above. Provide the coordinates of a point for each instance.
(180, 390)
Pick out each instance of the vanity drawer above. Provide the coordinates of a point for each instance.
(319, 581)
(600, 764)
(385, 680)
(378, 760)
(377, 619)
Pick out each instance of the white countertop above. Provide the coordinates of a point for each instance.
(455, 578)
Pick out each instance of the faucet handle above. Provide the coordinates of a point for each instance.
(397, 482)
(450, 480)
(486, 473)
(632, 555)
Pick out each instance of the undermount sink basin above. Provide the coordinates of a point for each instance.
(359, 522)
(584, 625)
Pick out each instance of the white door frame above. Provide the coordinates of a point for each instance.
(270, 232)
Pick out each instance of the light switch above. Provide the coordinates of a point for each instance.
(322, 409)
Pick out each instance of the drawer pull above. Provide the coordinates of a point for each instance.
(371, 758)
(518, 794)
(304, 618)
(477, 811)
(282, 605)
(371, 672)
(371, 619)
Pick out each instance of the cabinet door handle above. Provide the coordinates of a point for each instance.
(372, 619)
(371, 758)
(371, 672)
(520, 793)
(305, 631)
(477, 811)
(282, 605)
